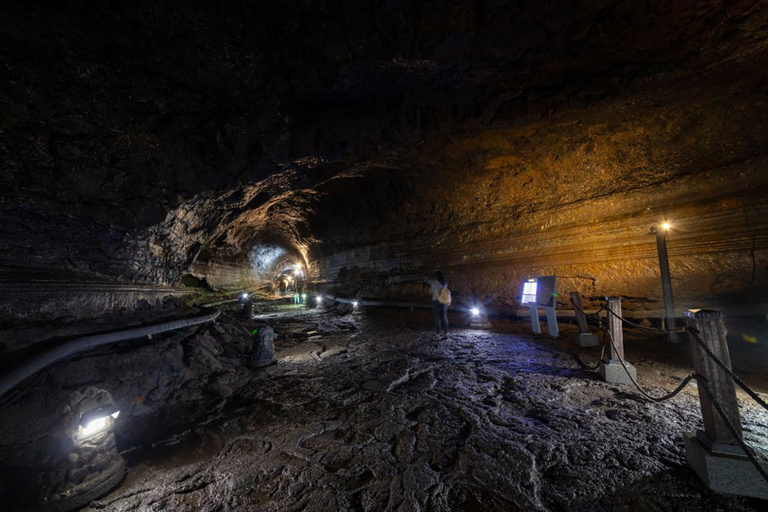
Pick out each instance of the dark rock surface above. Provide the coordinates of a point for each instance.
(364, 411)
(381, 418)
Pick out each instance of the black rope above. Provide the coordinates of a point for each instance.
(588, 316)
(696, 336)
(747, 450)
(677, 390)
(642, 327)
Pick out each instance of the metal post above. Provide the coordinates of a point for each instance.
(586, 338)
(554, 330)
(535, 320)
(616, 369)
(711, 330)
(666, 283)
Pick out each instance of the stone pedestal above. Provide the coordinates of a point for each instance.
(724, 471)
(246, 310)
(587, 339)
(263, 353)
(613, 372)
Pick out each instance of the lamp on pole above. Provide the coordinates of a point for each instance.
(666, 283)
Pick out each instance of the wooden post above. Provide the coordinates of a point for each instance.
(711, 330)
(578, 309)
(612, 370)
(586, 338)
(614, 326)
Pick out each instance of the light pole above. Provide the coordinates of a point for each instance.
(666, 282)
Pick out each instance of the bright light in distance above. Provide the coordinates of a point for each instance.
(304, 296)
(319, 299)
(244, 295)
(475, 311)
(666, 226)
(354, 303)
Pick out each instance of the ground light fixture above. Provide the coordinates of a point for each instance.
(474, 311)
(244, 295)
(355, 303)
(96, 421)
(83, 463)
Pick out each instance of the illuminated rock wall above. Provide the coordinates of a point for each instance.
(576, 193)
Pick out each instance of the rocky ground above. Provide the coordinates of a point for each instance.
(366, 412)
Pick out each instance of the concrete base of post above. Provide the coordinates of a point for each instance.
(612, 371)
(587, 339)
(728, 473)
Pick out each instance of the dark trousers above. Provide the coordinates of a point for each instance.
(440, 312)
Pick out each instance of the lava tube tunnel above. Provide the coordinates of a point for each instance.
(384, 256)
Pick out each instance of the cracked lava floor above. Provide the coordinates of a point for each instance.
(371, 414)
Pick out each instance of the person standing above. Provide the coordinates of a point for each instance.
(441, 299)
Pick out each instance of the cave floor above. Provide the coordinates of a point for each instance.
(366, 412)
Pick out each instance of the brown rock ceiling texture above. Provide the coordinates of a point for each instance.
(495, 140)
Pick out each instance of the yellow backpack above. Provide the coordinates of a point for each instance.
(445, 296)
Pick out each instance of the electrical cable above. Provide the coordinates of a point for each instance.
(696, 336)
(747, 449)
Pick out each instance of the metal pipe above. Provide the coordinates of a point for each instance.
(40, 361)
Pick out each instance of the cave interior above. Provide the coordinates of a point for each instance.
(218, 219)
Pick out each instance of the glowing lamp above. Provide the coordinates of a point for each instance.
(474, 311)
(319, 299)
(354, 303)
(244, 295)
(665, 226)
(96, 421)
(304, 296)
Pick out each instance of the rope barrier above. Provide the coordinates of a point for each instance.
(695, 333)
(586, 365)
(664, 398)
(702, 382)
(692, 330)
(642, 327)
(747, 450)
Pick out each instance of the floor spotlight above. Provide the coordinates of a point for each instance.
(96, 421)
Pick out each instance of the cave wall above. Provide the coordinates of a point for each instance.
(140, 143)
(575, 194)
